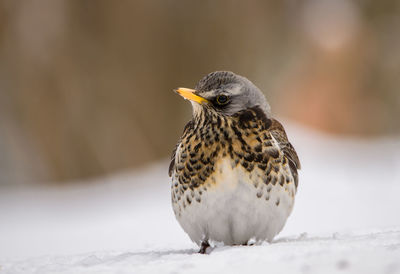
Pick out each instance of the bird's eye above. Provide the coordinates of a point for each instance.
(222, 100)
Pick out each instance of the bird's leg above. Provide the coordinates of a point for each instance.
(204, 245)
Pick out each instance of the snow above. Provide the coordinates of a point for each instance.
(345, 220)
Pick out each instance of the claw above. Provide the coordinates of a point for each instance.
(203, 247)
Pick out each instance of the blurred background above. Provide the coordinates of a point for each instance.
(86, 86)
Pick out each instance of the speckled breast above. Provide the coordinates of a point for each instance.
(229, 174)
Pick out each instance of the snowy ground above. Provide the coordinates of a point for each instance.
(346, 220)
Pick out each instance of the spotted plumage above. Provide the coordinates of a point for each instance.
(234, 172)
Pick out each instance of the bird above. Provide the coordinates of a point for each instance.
(234, 173)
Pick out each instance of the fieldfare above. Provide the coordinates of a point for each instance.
(234, 172)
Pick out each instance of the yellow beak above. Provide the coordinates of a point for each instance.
(188, 93)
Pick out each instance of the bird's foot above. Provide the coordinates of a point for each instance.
(204, 246)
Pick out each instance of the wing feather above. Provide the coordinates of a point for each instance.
(278, 132)
(188, 126)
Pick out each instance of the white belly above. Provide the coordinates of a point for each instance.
(236, 208)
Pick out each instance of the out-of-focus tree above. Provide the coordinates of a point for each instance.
(86, 86)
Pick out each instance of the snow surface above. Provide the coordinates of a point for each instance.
(346, 220)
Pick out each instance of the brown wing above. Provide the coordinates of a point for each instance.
(188, 126)
(288, 150)
(172, 163)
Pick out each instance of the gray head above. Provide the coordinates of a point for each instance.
(226, 93)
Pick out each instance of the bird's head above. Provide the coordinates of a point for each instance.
(226, 93)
